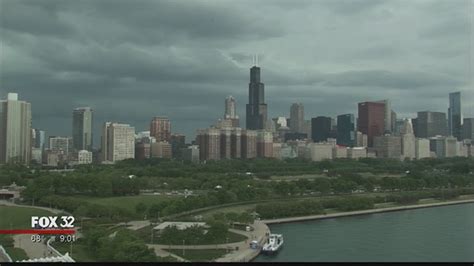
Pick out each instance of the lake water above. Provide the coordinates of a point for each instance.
(431, 234)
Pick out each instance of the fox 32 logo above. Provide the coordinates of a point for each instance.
(52, 221)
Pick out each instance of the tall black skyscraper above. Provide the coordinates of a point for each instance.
(320, 128)
(256, 108)
(346, 130)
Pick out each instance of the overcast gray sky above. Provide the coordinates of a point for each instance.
(135, 59)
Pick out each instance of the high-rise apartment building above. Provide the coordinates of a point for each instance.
(236, 143)
(161, 149)
(15, 130)
(264, 144)
(249, 144)
(455, 115)
(209, 142)
(297, 118)
(82, 128)
(225, 147)
(231, 112)
(320, 128)
(371, 120)
(256, 115)
(118, 142)
(160, 128)
(430, 124)
(346, 130)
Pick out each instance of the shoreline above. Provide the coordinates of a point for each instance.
(363, 212)
(238, 256)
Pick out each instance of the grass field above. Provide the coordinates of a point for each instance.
(12, 217)
(16, 253)
(127, 202)
(145, 234)
(202, 255)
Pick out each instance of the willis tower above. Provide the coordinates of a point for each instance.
(256, 108)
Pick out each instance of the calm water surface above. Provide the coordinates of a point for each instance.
(431, 234)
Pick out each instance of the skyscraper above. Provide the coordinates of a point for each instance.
(118, 142)
(430, 124)
(264, 144)
(82, 128)
(454, 115)
(297, 118)
(346, 130)
(209, 141)
(61, 144)
(15, 130)
(468, 129)
(256, 115)
(249, 144)
(388, 146)
(408, 140)
(178, 142)
(40, 138)
(320, 128)
(160, 128)
(371, 120)
(231, 112)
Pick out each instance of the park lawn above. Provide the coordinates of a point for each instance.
(12, 217)
(16, 254)
(200, 255)
(127, 202)
(79, 250)
(145, 234)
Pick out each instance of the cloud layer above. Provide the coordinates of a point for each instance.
(132, 60)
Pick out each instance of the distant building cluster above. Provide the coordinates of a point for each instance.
(376, 132)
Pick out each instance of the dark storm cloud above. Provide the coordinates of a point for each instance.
(352, 7)
(132, 60)
(388, 79)
(33, 17)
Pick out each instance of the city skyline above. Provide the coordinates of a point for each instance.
(304, 59)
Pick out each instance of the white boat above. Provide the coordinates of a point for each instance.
(273, 244)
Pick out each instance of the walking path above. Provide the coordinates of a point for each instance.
(244, 252)
(390, 209)
(33, 250)
(163, 253)
(240, 251)
(7, 203)
(136, 225)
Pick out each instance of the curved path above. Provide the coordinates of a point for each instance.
(241, 251)
(7, 203)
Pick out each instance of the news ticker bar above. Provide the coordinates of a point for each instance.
(38, 232)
